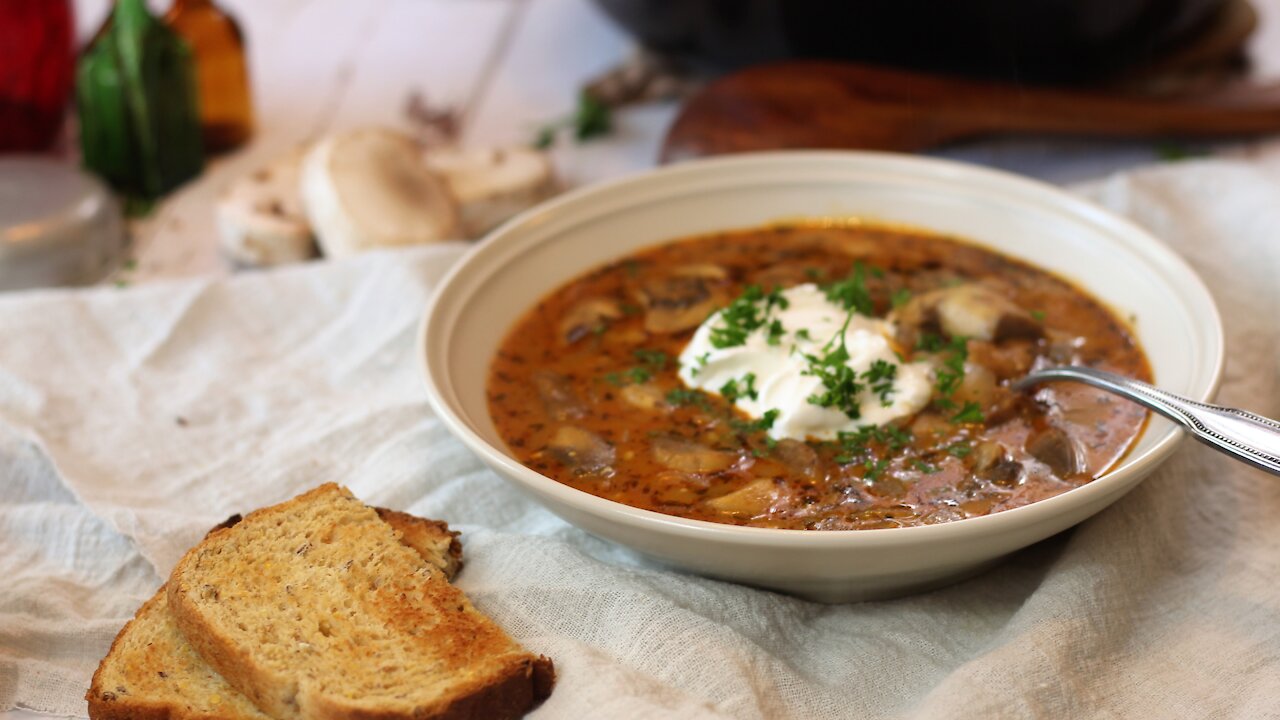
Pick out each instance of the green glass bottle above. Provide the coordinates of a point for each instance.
(137, 101)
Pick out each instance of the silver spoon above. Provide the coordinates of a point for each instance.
(1242, 435)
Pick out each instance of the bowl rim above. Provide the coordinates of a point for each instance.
(704, 530)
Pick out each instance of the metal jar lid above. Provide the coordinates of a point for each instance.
(58, 225)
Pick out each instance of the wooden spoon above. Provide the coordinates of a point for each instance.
(810, 104)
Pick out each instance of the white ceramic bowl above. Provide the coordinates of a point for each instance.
(514, 267)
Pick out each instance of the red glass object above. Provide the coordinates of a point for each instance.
(37, 62)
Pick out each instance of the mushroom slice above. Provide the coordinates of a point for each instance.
(688, 456)
(799, 458)
(683, 299)
(558, 398)
(368, 189)
(754, 498)
(586, 316)
(975, 311)
(582, 451)
(260, 216)
(991, 463)
(492, 184)
(1055, 448)
(645, 397)
(977, 386)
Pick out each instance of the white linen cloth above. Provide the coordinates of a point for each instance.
(133, 420)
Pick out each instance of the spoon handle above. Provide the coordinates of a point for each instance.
(1243, 435)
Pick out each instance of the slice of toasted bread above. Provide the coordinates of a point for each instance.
(152, 673)
(314, 609)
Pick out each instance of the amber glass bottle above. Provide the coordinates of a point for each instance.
(222, 76)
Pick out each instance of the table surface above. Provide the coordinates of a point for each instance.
(508, 66)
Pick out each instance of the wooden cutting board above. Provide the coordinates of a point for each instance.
(813, 104)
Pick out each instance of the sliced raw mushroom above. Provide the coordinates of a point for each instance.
(558, 398)
(586, 316)
(754, 498)
(260, 218)
(582, 451)
(368, 189)
(688, 456)
(1055, 448)
(646, 396)
(683, 299)
(492, 185)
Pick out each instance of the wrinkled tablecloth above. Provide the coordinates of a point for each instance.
(132, 420)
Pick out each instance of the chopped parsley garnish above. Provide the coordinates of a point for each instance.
(639, 375)
(840, 386)
(856, 442)
(803, 334)
(681, 396)
(880, 377)
(746, 387)
(924, 467)
(900, 297)
(592, 118)
(970, 413)
(813, 273)
(764, 423)
(959, 450)
(699, 363)
(851, 293)
(745, 314)
(774, 333)
(874, 469)
(1037, 315)
(655, 359)
(652, 361)
(928, 342)
(950, 375)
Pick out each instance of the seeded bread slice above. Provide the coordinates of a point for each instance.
(314, 610)
(152, 673)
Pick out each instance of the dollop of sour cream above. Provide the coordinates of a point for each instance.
(809, 322)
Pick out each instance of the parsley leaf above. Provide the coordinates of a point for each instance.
(951, 373)
(747, 313)
(970, 413)
(734, 389)
(880, 377)
(655, 359)
(959, 450)
(900, 297)
(681, 396)
(929, 342)
(839, 381)
(639, 375)
(851, 293)
(764, 423)
(874, 469)
(775, 333)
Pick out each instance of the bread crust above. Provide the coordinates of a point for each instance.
(431, 539)
(509, 693)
